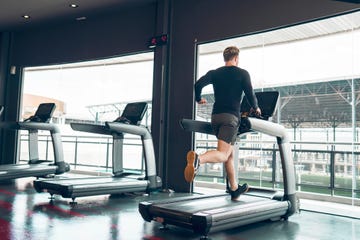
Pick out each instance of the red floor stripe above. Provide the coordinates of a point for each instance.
(6, 205)
(7, 192)
(68, 212)
(4, 229)
(152, 238)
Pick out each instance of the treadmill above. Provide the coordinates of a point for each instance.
(36, 167)
(121, 181)
(210, 213)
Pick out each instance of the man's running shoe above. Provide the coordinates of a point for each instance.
(240, 190)
(193, 164)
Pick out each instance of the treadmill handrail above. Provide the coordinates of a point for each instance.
(90, 128)
(287, 163)
(118, 138)
(269, 128)
(118, 129)
(191, 125)
(9, 125)
(33, 128)
(128, 128)
(146, 139)
(39, 126)
(55, 136)
(30, 126)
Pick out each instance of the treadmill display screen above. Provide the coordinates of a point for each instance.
(134, 112)
(267, 103)
(44, 112)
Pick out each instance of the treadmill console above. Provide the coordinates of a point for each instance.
(43, 113)
(267, 102)
(133, 113)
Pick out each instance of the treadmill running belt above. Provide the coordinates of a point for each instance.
(76, 187)
(206, 204)
(200, 215)
(26, 170)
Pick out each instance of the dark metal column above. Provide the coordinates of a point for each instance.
(10, 89)
(160, 108)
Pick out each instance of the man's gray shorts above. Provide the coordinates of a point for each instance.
(225, 126)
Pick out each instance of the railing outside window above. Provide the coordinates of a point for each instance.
(319, 167)
(92, 153)
(325, 168)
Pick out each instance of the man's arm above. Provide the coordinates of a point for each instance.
(199, 85)
(250, 94)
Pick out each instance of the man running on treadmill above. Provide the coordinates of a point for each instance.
(229, 82)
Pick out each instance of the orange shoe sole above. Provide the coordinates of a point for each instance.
(189, 172)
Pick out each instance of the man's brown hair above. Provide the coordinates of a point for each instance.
(230, 52)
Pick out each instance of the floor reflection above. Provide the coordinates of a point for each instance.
(25, 214)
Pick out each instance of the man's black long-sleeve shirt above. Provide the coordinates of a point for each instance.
(229, 83)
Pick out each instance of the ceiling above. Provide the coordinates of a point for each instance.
(313, 29)
(52, 11)
(55, 11)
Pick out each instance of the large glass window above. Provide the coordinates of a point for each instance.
(314, 66)
(92, 92)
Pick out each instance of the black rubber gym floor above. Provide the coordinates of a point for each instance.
(25, 214)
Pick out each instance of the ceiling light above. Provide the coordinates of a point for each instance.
(26, 16)
(73, 5)
(81, 18)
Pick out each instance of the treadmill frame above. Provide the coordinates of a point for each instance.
(35, 166)
(280, 206)
(121, 180)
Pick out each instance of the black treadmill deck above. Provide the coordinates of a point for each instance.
(215, 212)
(12, 171)
(77, 187)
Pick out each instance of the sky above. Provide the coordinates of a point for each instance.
(85, 86)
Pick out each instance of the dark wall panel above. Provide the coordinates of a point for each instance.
(209, 20)
(104, 36)
(114, 34)
(3, 57)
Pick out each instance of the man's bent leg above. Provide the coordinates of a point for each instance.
(194, 160)
(235, 189)
(230, 171)
(221, 154)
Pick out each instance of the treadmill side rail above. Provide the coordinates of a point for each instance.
(148, 146)
(35, 166)
(54, 130)
(287, 163)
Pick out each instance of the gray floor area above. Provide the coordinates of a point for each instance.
(25, 214)
(337, 209)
